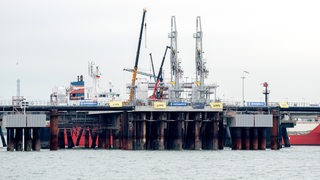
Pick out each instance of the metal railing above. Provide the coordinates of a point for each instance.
(7, 102)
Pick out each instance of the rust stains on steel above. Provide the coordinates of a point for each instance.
(274, 130)
(54, 130)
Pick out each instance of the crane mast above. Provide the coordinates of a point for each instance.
(176, 71)
(135, 69)
(201, 70)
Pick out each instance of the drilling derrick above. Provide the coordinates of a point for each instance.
(176, 71)
(199, 92)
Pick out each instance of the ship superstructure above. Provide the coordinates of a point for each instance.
(78, 93)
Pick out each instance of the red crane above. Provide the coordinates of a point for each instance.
(156, 94)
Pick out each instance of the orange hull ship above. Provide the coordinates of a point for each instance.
(305, 133)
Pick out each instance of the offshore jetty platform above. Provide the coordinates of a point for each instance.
(212, 127)
(163, 120)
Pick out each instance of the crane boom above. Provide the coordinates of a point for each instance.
(135, 69)
(154, 96)
(139, 72)
(154, 74)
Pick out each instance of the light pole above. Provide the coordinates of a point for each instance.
(243, 77)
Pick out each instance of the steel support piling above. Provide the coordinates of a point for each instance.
(160, 130)
(10, 139)
(27, 139)
(107, 138)
(274, 132)
(54, 130)
(246, 138)
(18, 139)
(216, 132)
(236, 138)
(94, 139)
(285, 137)
(102, 139)
(79, 137)
(69, 139)
(2, 138)
(176, 132)
(61, 139)
(86, 137)
(140, 132)
(255, 139)
(36, 144)
(263, 138)
(221, 133)
(197, 125)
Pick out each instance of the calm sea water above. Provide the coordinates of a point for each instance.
(298, 162)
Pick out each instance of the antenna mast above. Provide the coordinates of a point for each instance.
(95, 74)
(18, 87)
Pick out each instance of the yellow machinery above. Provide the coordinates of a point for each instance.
(135, 69)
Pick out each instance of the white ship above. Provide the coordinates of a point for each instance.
(80, 94)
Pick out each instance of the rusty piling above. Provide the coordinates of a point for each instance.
(160, 130)
(236, 138)
(274, 130)
(117, 134)
(176, 132)
(143, 131)
(54, 130)
(246, 138)
(222, 133)
(190, 132)
(18, 139)
(197, 125)
(207, 135)
(215, 132)
(130, 132)
(263, 138)
(127, 131)
(255, 139)
(27, 139)
(36, 144)
(140, 142)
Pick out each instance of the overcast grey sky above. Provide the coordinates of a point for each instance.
(277, 41)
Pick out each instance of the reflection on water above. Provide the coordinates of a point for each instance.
(294, 163)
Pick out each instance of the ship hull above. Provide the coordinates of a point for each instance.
(311, 138)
